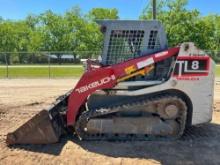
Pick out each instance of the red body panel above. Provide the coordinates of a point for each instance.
(106, 77)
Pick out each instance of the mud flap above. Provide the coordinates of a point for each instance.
(41, 129)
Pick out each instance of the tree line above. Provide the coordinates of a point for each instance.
(78, 33)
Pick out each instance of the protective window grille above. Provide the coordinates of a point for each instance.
(124, 45)
(153, 42)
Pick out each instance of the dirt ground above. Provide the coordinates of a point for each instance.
(20, 99)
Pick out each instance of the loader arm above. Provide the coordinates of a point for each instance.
(108, 76)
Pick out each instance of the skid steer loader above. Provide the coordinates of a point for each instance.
(140, 90)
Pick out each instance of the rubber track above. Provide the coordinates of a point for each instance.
(85, 116)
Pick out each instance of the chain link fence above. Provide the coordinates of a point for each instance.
(52, 64)
(43, 64)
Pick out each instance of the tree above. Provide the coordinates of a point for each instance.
(102, 13)
(49, 31)
(32, 21)
(147, 11)
(184, 25)
(79, 34)
(8, 39)
(92, 38)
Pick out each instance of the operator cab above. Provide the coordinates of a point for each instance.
(125, 39)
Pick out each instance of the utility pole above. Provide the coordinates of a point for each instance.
(154, 12)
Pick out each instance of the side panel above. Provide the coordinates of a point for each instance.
(195, 77)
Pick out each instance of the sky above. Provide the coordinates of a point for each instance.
(128, 9)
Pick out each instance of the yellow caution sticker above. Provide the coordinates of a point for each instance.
(130, 69)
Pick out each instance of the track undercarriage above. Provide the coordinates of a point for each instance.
(152, 118)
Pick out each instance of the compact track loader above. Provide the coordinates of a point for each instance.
(140, 90)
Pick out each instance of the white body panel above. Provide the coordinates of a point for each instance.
(200, 90)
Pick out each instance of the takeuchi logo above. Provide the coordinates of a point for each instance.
(95, 84)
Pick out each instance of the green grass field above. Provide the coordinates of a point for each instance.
(217, 71)
(35, 72)
(55, 71)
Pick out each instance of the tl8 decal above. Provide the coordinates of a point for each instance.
(191, 66)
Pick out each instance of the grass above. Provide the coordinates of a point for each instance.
(35, 72)
(217, 71)
(55, 72)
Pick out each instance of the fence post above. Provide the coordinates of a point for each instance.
(6, 62)
(49, 71)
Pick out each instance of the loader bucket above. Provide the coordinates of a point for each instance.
(40, 129)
